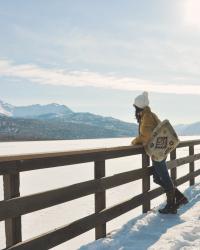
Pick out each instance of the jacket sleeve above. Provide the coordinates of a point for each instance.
(145, 130)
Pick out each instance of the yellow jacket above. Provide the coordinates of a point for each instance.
(148, 122)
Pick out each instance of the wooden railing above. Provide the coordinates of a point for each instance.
(14, 206)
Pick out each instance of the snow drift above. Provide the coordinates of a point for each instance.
(154, 231)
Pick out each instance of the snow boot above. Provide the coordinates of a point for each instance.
(180, 199)
(170, 207)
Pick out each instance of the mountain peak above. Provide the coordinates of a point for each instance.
(5, 108)
(34, 110)
(55, 104)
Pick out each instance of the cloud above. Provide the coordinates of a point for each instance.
(60, 77)
(191, 13)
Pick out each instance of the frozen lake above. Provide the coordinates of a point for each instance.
(42, 221)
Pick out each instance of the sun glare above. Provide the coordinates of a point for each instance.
(191, 13)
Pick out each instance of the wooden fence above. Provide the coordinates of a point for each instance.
(14, 206)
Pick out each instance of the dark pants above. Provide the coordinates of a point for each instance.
(161, 175)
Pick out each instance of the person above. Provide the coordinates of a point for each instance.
(147, 122)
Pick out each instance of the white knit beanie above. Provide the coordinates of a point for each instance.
(141, 101)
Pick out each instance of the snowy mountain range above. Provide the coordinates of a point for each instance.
(55, 121)
(188, 129)
(33, 110)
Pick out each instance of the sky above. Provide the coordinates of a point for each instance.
(97, 56)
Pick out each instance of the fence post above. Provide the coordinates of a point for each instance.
(191, 165)
(100, 198)
(146, 183)
(12, 225)
(173, 170)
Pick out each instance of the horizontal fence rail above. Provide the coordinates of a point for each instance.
(14, 206)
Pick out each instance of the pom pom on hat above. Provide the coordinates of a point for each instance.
(142, 101)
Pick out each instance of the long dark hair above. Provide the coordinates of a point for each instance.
(137, 113)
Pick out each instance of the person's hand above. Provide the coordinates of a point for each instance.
(133, 142)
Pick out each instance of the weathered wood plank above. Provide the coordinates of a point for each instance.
(133, 149)
(173, 170)
(187, 177)
(12, 225)
(188, 143)
(111, 150)
(182, 161)
(158, 191)
(15, 157)
(196, 173)
(100, 199)
(56, 159)
(50, 160)
(191, 166)
(30, 203)
(146, 183)
(67, 232)
(155, 193)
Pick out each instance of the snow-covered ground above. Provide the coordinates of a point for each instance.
(154, 231)
(47, 179)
